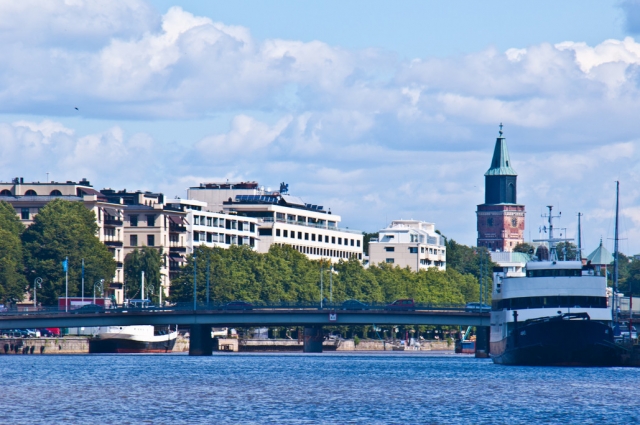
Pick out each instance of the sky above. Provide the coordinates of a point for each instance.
(377, 110)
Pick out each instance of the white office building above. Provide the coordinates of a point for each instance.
(409, 243)
(214, 229)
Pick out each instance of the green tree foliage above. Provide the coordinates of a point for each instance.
(65, 229)
(285, 275)
(146, 259)
(12, 280)
(566, 250)
(365, 241)
(525, 248)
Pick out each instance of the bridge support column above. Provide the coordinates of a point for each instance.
(482, 341)
(200, 341)
(313, 338)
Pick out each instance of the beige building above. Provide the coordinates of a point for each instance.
(217, 193)
(149, 222)
(28, 198)
(409, 243)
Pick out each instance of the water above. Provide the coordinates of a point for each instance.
(335, 388)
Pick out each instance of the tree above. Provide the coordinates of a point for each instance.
(149, 260)
(65, 229)
(566, 250)
(12, 280)
(366, 239)
(525, 248)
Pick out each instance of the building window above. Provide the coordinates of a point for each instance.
(209, 222)
(285, 233)
(151, 221)
(196, 236)
(277, 232)
(133, 240)
(389, 248)
(252, 228)
(133, 221)
(326, 239)
(339, 241)
(413, 250)
(357, 243)
(422, 250)
(352, 242)
(300, 235)
(389, 261)
(306, 236)
(265, 232)
(31, 192)
(313, 237)
(333, 239)
(209, 237)
(24, 213)
(151, 239)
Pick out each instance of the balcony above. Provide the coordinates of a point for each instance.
(177, 249)
(113, 222)
(113, 243)
(175, 228)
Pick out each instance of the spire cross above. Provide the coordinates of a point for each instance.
(500, 132)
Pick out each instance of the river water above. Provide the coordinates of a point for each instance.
(333, 388)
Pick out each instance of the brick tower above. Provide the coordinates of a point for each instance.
(500, 218)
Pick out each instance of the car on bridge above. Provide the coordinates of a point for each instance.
(407, 304)
(477, 308)
(89, 308)
(354, 305)
(238, 305)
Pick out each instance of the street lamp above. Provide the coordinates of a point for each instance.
(101, 284)
(37, 283)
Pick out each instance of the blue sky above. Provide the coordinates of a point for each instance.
(378, 110)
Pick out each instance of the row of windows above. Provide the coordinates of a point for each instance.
(324, 252)
(310, 236)
(30, 192)
(423, 262)
(133, 240)
(414, 250)
(243, 226)
(555, 301)
(554, 272)
(227, 239)
(151, 220)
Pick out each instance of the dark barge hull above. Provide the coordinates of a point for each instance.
(121, 345)
(558, 342)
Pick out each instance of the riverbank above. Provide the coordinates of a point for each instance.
(80, 345)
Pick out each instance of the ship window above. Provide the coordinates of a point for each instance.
(550, 302)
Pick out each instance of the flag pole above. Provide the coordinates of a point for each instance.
(82, 295)
(66, 286)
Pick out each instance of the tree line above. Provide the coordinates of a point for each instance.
(68, 230)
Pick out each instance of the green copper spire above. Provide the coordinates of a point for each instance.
(500, 164)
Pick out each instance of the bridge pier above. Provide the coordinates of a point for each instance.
(482, 341)
(313, 338)
(200, 341)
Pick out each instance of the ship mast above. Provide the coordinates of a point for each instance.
(579, 253)
(614, 304)
(553, 255)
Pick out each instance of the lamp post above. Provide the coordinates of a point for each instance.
(195, 269)
(98, 283)
(37, 283)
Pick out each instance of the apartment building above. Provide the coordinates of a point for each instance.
(214, 229)
(287, 220)
(409, 243)
(148, 222)
(28, 198)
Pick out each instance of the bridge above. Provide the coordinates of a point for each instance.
(202, 319)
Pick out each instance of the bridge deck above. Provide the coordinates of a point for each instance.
(242, 318)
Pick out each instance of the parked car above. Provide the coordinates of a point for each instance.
(477, 308)
(403, 305)
(54, 331)
(32, 333)
(238, 305)
(354, 305)
(89, 308)
(45, 333)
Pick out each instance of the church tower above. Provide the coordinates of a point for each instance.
(500, 218)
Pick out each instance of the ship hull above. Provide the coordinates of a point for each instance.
(558, 343)
(124, 345)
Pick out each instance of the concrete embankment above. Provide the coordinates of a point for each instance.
(66, 345)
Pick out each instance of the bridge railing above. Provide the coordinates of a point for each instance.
(238, 305)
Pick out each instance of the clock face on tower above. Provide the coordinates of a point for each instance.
(514, 222)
